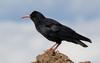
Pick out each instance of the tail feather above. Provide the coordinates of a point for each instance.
(84, 38)
(81, 43)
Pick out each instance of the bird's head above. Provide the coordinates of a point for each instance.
(35, 15)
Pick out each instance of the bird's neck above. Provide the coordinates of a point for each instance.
(37, 21)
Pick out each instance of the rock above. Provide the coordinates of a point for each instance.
(52, 57)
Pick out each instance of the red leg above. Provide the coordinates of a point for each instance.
(53, 46)
(56, 47)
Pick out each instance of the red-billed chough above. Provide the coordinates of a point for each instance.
(55, 31)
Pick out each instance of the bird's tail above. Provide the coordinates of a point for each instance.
(84, 38)
(81, 43)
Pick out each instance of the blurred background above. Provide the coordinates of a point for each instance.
(21, 43)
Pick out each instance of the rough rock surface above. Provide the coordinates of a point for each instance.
(54, 57)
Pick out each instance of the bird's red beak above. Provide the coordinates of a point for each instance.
(25, 17)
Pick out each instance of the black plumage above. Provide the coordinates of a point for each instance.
(55, 31)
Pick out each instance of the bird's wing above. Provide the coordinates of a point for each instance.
(66, 32)
(53, 25)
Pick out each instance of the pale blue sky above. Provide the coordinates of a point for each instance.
(20, 42)
(62, 9)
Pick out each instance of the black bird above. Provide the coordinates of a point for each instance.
(55, 31)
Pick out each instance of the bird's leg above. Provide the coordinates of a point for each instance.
(53, 46)
(56, 47)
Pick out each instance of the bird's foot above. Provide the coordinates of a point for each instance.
(51, 49)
